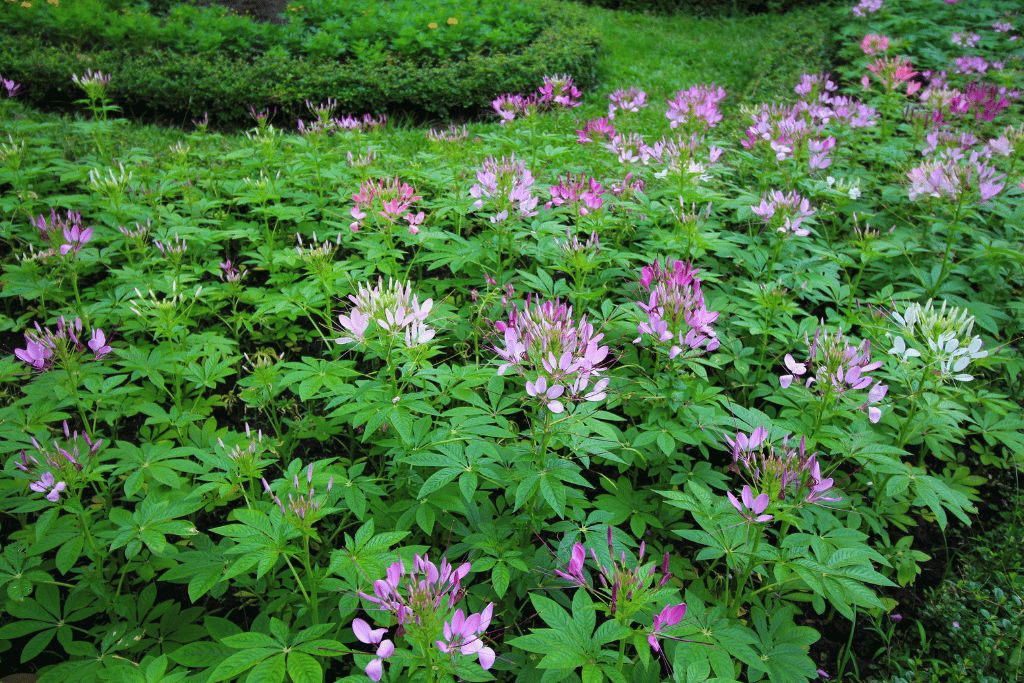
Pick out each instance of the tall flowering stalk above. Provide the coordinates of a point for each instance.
(676, 314)
(558, 354)
(422, 601)
(836, 369)
(505, 187)
(937, 344)
(628, 590)
(580, 194)
(381, 204)
(696, 108)
(95, 84)
(388, 320)
(303, 511)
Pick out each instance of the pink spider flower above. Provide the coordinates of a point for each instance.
(784, 212)
(631, 100)
(668, 617)
(581, 194)
(386, 648)
(892, 71)
(390, 199)
(751, 508)
(675, 309)
(545, 341)
(48, 485)
(559, 91)
(595, 130)
(873, 43)
(463, 633)
(696, 108)
(506, 185)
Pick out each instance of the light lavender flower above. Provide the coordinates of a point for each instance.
(675, 309)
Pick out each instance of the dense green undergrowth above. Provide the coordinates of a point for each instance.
(667, 399)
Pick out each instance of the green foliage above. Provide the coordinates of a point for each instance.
(716, 8)
(180, 86)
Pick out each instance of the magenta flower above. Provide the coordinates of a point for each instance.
(581, 193)
(98, 343)
(632, 100)
(395, 309)
(675, 309)
(547, 394)
(595, 130)
(390, 199)
(463, 633)
(47, 483)
(508, 107)
(363, 632)
(873, 44)
(817, 487)
(751, 508)
(303, 508)
(865, 7)
(670, 616)
(560, 91)
(696, 108)
(574, 571)
(544, 340)
(785, 213)
(507, 186)
(452, 134)
(13, 89)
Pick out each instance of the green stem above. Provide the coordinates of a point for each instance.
(950, 234)
(312, 599)
(302, 589)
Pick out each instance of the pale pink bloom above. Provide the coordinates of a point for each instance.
(873, 44)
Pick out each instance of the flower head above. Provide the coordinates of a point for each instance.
(631, 100)
(506, 185)
(544, 341)
(751, 508)
(675, 309)
(559, 91)
(386, 313)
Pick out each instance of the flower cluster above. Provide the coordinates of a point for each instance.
(44, 348)
(627, 100)
(12, 89)
(62, 465)
(784, 212)
(507, 185)
(678, 155)
(422, 601)
(629, 588)
(386, 201)
(318, 256)
(595, 130)
(696, 108)
(873, 43)
(305, 507)
(231, 274)
(93, 83)
(453, 134)
(628, 148)
(559, 91)
(892, 72)
(865, 7)
(954, 175)
(675, 308)
(581, 194)
(556, 353)
(786, 472)
(394, 310)
(940, 338)
(508, 107)
(837, 367)
(68, 229)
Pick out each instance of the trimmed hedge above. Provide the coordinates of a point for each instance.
(710, 8)
(807, 45)
(167, 85)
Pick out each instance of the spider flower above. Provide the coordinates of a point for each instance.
(675, 309)
(544, 341)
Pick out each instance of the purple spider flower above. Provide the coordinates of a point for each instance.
(582, 194)
(463, 633)
(47, 483)
(670, 616)
(784, 212)
(560, 91)
(363, 632)
(675, 308)
(631, 100)
(751, 508)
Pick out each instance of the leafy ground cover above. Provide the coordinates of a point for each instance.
(645, 385)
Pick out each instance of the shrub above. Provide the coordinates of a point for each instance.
(710, 8)
(166, 83)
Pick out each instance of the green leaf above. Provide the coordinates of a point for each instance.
(592, 673)
(268, 671)
(303, 668)
(250, 639)
(554, 493)
(200, 654)
(239, 662)
(500, 578)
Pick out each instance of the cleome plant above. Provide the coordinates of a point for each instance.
(617, 385)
